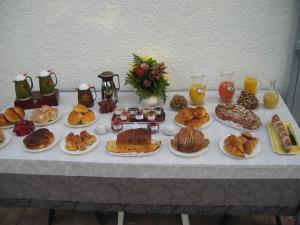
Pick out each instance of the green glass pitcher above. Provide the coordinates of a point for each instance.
(47, 85)
(22, 87)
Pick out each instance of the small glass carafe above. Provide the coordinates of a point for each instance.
(271, 97)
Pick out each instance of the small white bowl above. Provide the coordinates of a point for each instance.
(170, 130)
(101, 129)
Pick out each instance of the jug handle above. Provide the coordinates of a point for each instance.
(31, 83)
(116, 75)
(93, 88)
(51, 72)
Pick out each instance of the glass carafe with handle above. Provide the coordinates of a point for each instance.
(197, 90)
(271, 97)
(227, 87)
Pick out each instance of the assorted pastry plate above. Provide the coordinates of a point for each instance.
(39, 141)
(240, 145)
(78, 144)
(45, 115)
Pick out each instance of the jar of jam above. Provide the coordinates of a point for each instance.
(133, 111)
(158, 110)
(146, 110)
(119, 111)
(227, 87)
(151, 115)
(117, 125)
(153, 126)
(123, 116)
(139, 116)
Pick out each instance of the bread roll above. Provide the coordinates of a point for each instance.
(3, 120)
(80, 108)
(88, 117)
(11, 115)
(20, 111)
(74, 118)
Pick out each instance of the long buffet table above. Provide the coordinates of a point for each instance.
(211, 183)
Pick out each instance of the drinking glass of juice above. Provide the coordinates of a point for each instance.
(197, 89)
(250, 84)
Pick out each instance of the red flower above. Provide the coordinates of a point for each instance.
(147, 83)
(139, 72)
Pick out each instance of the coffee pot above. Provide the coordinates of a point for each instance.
(47, 85)
(85, 95)
(108, 88)
(22, 87)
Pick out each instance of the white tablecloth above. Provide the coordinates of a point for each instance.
(214, 164)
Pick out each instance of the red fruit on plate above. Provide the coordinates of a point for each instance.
(140, 72)
(24, 127)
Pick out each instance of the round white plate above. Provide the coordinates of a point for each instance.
(51, 122)
(7, 137)
(203, 125)
(135, 154)
(56, 139)
(184, 154)
(233, 124)
(78, 152)
(254, 153)
(8, 126)
(81, 125)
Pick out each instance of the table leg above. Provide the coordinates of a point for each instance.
(278, 220)
(120, 217)
(185, 219)
(225, 219)
(298, 218)
(100, 217)
(51, 216)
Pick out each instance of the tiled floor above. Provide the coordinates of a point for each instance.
(16, 216)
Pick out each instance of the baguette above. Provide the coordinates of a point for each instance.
(282, 133)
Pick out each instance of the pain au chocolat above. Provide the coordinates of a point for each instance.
(38, 139)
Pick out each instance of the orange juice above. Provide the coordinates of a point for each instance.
(250, 84)
(197, 93)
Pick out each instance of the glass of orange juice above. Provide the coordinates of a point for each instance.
(197, 89)
(250, 84)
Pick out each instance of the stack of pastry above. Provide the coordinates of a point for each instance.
(192, 117)
(240, 146)
(11, 115)
(81, 115)
(79, 141)
(1, 135)
(44, 115)
(189, 140)
(39, 139)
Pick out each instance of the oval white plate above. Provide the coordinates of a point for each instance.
(8, 126)
(78, 152)
(233, 124)
(7, 137)
(254, 153)
(81, 125)
(184, 154)
(56, 139)
(135, 154)
(203, 125)
(53, 121)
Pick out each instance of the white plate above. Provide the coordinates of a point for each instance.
(56, 139)
(203, 125)
(81, 125)
(78, 152)
(233, 124)
(254, 153)
(184, 154)
(8, 126)
(59, 116)
(135, 154)
(7, 137)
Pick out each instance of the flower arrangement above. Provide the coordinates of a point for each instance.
(148, 77)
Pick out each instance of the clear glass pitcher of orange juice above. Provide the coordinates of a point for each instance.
(251, 84)
(197, 89)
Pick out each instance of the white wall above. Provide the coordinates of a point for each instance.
(79, 39)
